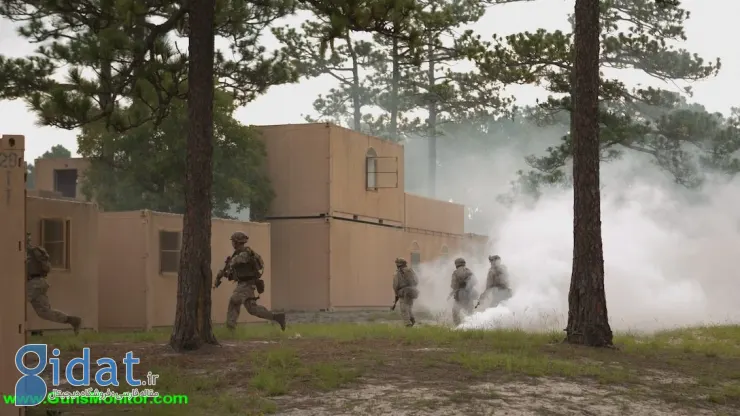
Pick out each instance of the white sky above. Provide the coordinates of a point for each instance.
(707, 31)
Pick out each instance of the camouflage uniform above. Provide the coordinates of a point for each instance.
(404, 287)
(497, 282)
(462, 291)
(245, 266)
(38, 267)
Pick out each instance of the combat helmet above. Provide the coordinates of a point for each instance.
(239, 237)
(494, 258)
(459, 262)
(400, 261)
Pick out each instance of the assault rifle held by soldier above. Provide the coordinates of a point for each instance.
(395, 301)
(223, 272)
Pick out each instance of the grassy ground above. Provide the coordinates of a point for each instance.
(386, 369)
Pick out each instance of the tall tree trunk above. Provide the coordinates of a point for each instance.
(193, 314)
(588, 321)
(432, 123)
(356, 104)
(395, 80)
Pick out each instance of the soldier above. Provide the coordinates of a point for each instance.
(246, 267)
(498, 279)
(404, 286)
(462, 290)
(38, 267)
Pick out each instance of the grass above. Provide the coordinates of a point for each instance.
(260, 369)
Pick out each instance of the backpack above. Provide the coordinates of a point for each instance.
(40, 261)
(256, 264)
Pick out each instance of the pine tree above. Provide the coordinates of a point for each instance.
(347, 63)
(588, 320)
(636, 34)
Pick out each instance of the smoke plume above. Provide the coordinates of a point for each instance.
(670, 254)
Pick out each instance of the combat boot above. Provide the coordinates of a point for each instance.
(413, 321)
(75, 321)
(280, 319)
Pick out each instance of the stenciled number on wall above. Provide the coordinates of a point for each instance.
(9, 160)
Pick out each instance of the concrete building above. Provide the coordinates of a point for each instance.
(341, 216)
(339, 219)
(61, 176)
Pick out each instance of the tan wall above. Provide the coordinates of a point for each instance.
(153, 295)
(349, 192)
(362, 260)
(164, 286)
(298, 167)
(13, 261)
(300, 261)
(434, 215)
(74, 288)
(122, 242)
(362, 264)
(431, 246)
(44, 173)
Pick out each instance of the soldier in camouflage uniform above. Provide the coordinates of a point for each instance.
(404, 287)
(462, 291)
(497, 282)
(246, 267)
(38, 266)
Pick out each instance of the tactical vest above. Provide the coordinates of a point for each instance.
(249, 270)
(38, 262)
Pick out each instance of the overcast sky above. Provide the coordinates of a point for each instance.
(708, 35)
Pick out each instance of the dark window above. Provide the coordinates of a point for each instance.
(169, 251)
(55, 239)
(444, 254)
(371, 169)
(65, 182)
(415, 260)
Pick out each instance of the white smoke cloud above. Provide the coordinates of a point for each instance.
(671, 255)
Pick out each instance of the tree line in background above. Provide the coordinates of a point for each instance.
(397, 80)
(136, 96)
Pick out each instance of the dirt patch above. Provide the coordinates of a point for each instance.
(546, 397)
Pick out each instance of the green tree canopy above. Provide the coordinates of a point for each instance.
(57, 152)
(114, 53)
(636, 34)
(147, 164)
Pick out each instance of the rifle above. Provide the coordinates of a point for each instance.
(480, 297)
(222, 273)
(393, 308)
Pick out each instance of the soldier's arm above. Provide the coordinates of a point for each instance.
(396, 283)
(260, 262)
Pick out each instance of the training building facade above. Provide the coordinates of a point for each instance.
(339, 219)
(341, 216)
